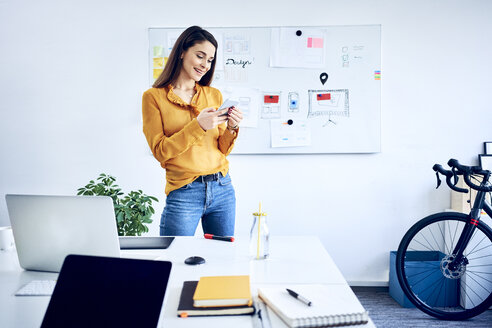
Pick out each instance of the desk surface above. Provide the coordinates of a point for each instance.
(292, 260)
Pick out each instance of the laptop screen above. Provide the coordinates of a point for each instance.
(108, 292)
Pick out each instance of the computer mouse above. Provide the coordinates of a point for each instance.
(194, 260)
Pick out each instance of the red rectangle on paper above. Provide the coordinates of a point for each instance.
(323, 96)
(310, 43)
(270, 99)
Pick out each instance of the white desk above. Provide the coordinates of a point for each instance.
(292, 260)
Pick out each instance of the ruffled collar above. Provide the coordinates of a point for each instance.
(177, 99)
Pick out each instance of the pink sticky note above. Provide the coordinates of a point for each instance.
(317, 42)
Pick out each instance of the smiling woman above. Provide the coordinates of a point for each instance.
(191, 138)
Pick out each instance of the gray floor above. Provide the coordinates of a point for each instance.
(387, 313)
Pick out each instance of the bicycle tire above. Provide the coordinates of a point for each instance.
(428, 283)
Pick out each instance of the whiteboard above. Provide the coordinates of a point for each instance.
(302, 89)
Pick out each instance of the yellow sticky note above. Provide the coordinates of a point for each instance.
(158, 51)
(158, 62)
(157, 72)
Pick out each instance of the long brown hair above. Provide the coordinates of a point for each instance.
(191, 36)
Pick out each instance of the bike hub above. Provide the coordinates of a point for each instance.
(453, 269)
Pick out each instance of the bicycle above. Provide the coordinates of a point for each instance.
(444, 261)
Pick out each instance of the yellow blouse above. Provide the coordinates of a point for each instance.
(176, 139)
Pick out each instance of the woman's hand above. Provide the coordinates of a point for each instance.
(235, 117)
(209, 118)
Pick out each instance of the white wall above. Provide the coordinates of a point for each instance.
(72, 74)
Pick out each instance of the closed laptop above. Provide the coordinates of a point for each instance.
(48, 228)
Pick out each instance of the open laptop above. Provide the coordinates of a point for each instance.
(48, 228)
(94, 291)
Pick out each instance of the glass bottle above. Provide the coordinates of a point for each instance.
(259, 237)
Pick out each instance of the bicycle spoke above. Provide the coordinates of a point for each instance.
(447, 251)
(435, 288)
(420, 273)
(482, 272)
(478, 265)
(438, 247)
(418, 242)
(421, 280)
(478, 250)
(462, 297)
(478, 257)
(466, 294)
(473, 290)
(474, 233)
(427, 265)
(487, 280)
(450, 236)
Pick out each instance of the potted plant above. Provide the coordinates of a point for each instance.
(133, 211)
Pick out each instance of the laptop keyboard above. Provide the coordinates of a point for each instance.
(37, 288)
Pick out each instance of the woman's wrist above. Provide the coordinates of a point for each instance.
(233, 128)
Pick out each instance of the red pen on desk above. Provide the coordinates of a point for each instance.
(210, 236)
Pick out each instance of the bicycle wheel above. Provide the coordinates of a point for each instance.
(427, 281)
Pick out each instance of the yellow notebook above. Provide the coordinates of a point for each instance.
(223, 291)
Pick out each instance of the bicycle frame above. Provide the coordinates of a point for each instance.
(469, 228)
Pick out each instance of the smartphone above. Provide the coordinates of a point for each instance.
(228, 103)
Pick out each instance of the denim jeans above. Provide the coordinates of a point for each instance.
(213, 201)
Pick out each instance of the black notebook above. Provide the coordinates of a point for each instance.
(186, 308)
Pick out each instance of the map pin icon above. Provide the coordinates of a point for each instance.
(323, 77)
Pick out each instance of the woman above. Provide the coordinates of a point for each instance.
(191, 139)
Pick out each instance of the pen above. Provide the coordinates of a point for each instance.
(299, 297)
(224, 238)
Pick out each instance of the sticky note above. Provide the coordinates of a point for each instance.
(158, 51)
(157, 72)
(158, 62)
(315, 42)
(271, 99)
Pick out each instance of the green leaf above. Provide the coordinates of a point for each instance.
(132, 211)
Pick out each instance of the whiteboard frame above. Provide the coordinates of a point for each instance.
(249, 143)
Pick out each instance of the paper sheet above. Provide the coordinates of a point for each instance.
(297, 47)
(295, 134)
(171, 40)
(271, 105)
(219, 64)
(248, 103)
(328, 103)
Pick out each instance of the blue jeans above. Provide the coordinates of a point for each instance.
(213, 201)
